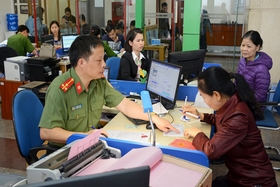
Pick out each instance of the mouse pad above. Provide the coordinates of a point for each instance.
(181, 143)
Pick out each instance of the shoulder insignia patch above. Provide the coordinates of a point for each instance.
(79, 88)
(67, 84)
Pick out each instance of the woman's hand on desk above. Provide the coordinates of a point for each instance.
(164, 125)
(191, 111)
(192, 132)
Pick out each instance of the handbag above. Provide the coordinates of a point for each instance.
(47, 50)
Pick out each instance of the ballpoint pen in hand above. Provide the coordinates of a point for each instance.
(190, 114)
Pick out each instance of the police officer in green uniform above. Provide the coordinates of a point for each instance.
(74, 100)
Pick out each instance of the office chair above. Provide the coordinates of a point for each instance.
(114, 64)
(269, 123)
(27, 110)
(208, 64)
(6, 52)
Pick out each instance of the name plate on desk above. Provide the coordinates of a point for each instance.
(155, 42)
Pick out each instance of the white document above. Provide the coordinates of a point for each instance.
(180, 127)
(130, 136)
(158, 108)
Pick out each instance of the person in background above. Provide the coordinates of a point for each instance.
(55, 30)
(255, 65)
(205, 26)
(74, 100)
(96, 31)
(20, 42)
(132, 25)
(178, 42)
(163, 22)
(68, 18)
(39, 19)
(238, 138)
(120, 29)
(85, 28)
(109, 22)
(115, 41)
(133, 62)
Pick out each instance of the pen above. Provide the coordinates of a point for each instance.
(190, 114)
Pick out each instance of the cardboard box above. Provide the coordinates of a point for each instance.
(205, 181)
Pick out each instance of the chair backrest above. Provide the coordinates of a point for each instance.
(208, 64)
(6, 52)
(27, 110)
(276, 97)
(114, 64)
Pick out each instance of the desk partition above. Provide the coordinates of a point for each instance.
(125, 87)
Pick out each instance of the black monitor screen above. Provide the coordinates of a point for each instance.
(67, 41)
(191, 61)
(163, 81)
(47, 39)
(106, 72)
(136, 177)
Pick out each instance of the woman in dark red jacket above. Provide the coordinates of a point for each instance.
(237, 138)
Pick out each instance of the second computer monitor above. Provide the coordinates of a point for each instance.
(67, 40)
(163, 82)
(191, 61)
(47, 39)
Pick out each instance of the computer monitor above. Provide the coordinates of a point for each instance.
(163, 82)
(191, 61)
(106, 72)
(136, 177)
(47, 39)
(67, 40)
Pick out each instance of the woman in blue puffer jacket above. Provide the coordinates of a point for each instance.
(255, 65)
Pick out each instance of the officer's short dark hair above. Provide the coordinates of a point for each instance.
(22, 28)
(82, 48)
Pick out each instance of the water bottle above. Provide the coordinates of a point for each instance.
(12, 22)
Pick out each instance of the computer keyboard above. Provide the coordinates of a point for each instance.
(137, 121)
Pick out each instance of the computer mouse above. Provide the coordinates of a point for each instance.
(149, 127)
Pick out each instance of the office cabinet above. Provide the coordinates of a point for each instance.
(7, 89)
(224, 35)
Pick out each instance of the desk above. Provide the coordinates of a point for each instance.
(64, 65)
(119, 122)
(159, 48)
(7, 90)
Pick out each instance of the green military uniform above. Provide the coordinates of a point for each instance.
(109, 52)
(21, 44)
(69, 106)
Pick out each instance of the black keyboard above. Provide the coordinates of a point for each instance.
(138, 121)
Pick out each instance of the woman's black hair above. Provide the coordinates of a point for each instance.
(217, 79)
(59, 33)
(130, 37)
(82, 48)
(95, 30)
(254, 36)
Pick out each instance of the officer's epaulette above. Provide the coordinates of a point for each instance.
(67, 84)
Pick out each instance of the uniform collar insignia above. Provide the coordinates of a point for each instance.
(67, 84)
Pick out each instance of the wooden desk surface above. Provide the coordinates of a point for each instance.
(119, 122)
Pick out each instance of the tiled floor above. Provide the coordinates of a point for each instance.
(12, 163)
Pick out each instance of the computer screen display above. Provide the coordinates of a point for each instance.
(163, 82)
(191, 61)
(67, 41)
(47, 39)
(106, 72)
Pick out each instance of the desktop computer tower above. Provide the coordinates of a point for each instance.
(43, 68)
